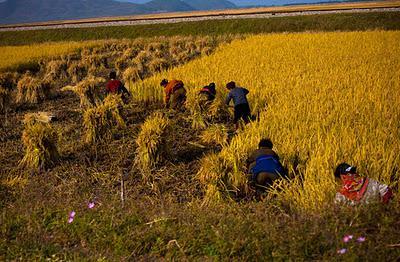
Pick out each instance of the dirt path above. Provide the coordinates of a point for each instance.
(178, 19)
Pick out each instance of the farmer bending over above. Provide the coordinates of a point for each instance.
(264, 166)
(355, 189)
(242, 108)
(207, 95)
(114, 86)
(175, 93)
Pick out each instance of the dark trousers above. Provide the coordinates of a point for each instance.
(242, 111)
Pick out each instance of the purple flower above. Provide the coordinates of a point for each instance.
(71, 217)
(361, 239)
(347, 238)
(342, 251)
(91, 205)
(72, 214)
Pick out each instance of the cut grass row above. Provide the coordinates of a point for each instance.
(331, 22)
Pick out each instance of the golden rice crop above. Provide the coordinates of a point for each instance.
(151, 142)
(103, 120)
(324, 98)
(40, 141)
(11, 56)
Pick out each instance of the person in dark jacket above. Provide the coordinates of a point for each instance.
(209, 92)
(207, 95)
(264, 166)
(114, 86)
(242, 108)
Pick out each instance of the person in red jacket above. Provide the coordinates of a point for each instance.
(114, 86)
(175, 93)
(355, 189)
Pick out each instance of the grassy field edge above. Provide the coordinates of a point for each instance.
(331, 22)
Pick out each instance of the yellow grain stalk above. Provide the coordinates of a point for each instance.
(151, 143)
(88, 91)
(56, 70)
(40, 141)
(103, 120)
(131, 75)
(215, 134)
(76, 71)
(31, 90)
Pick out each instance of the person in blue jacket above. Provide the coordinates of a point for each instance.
(264, 166)
(241, 105)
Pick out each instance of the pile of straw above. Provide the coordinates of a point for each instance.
(31, 90)
(40, 141)
(101, 121)
(151, 143)
(88, 91)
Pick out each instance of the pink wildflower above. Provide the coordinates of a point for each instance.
(342, 251)
(361, 239)
(72, 214)
(347, 238)
(91, 205)
(71, 217)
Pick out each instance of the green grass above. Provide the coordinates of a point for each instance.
(250, 232)
(331, 22)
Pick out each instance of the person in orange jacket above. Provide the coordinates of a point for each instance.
(175, 93)
(355, 189)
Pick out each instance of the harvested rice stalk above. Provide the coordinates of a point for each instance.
(101, 121)
(158, 65)
(31, 90)
(132, 74)
(88, 91)
(8, 80)
(40, 140)
(151, 143)
(76, 71)
(56, 70)
(196, 116)
(5, 99)
(217, 110)
(215, 133)
(94, 63)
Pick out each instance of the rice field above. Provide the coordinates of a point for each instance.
(85, 176)
(330, 97)
(12, 56)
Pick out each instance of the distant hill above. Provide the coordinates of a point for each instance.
(168, 6)
(18, 11)
(25, 11)
(210, 4)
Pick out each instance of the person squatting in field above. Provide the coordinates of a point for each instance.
(175, 93)
(114, 86)
(355, 189)
(208, 93)
(264, 166)
(241, 105)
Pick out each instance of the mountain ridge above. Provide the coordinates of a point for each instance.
(27, 11)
